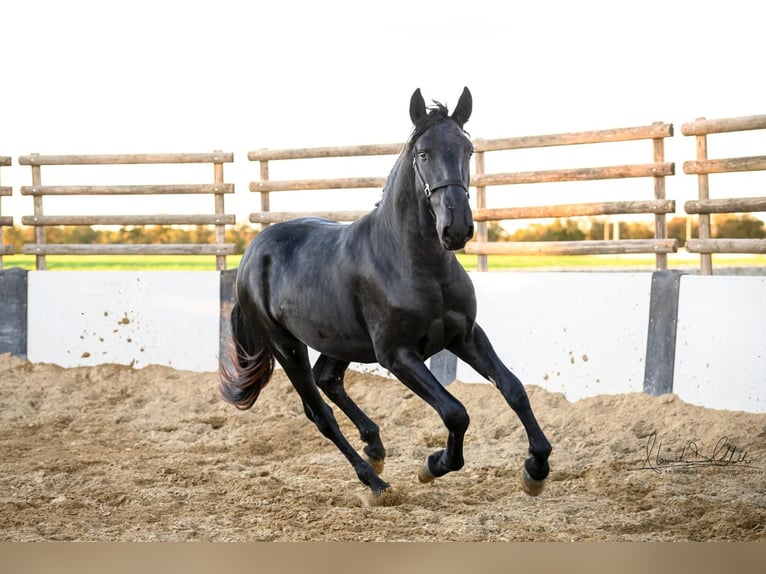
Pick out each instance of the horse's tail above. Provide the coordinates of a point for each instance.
(250, 364)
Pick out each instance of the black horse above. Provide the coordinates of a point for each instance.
(387, 289)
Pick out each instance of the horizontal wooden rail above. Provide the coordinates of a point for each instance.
(324, 152)
(316, 184)
(5, 191)
(496, 214)
(623, 246)
(5, 160)
(659, 130)
(125, 159)
(280, 216)
(720, 245)
(129, 249)
(575, 174)
(576, 210)
(191, 219)
(730, 205)
(171, 189)
(579, 174)
(728, 165)
(6, 221)
(704, 127)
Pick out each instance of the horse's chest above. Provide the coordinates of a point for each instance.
(438, 304)
(435, 315)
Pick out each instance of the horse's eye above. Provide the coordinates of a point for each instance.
(423, 155)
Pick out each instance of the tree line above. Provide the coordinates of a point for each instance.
(568, 229)
(239, 235)
(576, 229)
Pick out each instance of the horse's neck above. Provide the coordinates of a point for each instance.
(407, 219)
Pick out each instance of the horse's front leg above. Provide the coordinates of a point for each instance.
(477, 351)
(410, 369)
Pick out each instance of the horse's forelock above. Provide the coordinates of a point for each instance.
(436, 113)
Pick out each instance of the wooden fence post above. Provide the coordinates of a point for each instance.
(703, 190)
(40, 263)
(4, 220)
(660, 223)
(481, 202)
(265, 203)
(220, 228)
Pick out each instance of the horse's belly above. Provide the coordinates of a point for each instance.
(324, 335)
(352, 350)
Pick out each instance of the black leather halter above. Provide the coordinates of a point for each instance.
(429, 189)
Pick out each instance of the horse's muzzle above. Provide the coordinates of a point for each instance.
(454, 220)
(453, 239)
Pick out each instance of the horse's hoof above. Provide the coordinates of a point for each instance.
(389, 497)
(531, 486)
(377, 465)
(424, 474)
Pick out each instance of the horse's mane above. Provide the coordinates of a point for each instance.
(393, 174)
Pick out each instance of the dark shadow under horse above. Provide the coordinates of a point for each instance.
(387, 289)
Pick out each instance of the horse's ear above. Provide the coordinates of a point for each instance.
(417, 107)
(464, 107)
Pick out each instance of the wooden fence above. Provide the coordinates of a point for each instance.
(265, 186)
(704, 206)
(653, 203)
(217, 188)
(5, 220)
(656, 204)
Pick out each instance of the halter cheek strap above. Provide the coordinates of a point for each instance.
(429, 189)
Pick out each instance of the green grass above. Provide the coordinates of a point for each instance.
(681, 260)
(121, 262)
(496, 262)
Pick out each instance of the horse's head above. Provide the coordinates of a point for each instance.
(441, 162)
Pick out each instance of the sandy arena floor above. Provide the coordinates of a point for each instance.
(113, 453)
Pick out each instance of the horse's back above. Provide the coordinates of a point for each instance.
(292, 243)
(294, 232)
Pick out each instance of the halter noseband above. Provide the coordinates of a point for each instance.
(429, 189)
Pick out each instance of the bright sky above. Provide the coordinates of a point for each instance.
(169, 76)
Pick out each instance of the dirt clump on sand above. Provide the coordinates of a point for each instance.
(113, 453)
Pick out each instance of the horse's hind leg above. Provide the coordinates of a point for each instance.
(328, 374)
(293, 356)
(477, 351)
